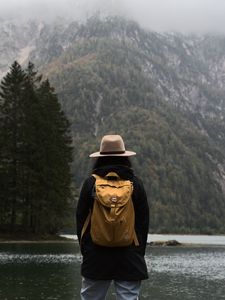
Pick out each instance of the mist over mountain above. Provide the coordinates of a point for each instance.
(163, 92)
(50, 10)
(202, 16)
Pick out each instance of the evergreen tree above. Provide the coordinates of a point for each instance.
(12, 94)
(35, 154)
(52, 163)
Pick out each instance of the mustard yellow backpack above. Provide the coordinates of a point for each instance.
(112, 218)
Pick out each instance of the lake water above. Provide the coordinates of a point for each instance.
(52, 271)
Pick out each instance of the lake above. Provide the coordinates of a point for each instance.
(36, 271)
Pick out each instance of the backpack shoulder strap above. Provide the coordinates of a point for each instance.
(85, 226)
(108, 175)
(136, 242)
(113, 175)
(88, 219)
(96, 176)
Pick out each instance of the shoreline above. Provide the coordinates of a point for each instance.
(154, 240)
(29, 239)
(36, 241)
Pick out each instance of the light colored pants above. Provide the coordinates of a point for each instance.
(97, 289)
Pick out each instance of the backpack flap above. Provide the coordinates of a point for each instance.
(109, 192)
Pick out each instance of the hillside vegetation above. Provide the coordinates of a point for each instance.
(164, 94)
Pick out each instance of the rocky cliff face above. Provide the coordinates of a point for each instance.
(17, 41)
(186, 70)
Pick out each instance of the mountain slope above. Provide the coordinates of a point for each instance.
(163, 93)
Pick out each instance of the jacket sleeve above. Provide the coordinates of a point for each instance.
(84, 205)
(141, 208)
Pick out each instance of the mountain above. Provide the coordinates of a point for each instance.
(17, 40)
(164, 93)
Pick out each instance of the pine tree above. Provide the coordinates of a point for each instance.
(31, 119)
(52, 162)
(35, 153)
(12, 95)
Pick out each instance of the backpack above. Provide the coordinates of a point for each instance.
(112, 218)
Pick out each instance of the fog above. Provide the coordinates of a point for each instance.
(159, 15)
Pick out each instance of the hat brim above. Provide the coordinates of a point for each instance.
(126, 153)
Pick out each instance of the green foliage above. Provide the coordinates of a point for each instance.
(35, 154)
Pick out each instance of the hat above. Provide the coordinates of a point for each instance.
(112, 145)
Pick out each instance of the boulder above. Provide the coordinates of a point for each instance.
(165, 243)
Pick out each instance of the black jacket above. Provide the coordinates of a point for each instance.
(119, 263)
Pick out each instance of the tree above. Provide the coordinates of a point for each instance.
(52, 167)
(12, 96)
(35, 153)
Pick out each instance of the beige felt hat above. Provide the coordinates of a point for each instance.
(112, 145)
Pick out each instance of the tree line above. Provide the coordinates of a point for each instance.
(35, 154)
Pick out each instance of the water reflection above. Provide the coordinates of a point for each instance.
(52, 271)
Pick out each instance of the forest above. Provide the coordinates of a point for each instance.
(35, 155)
